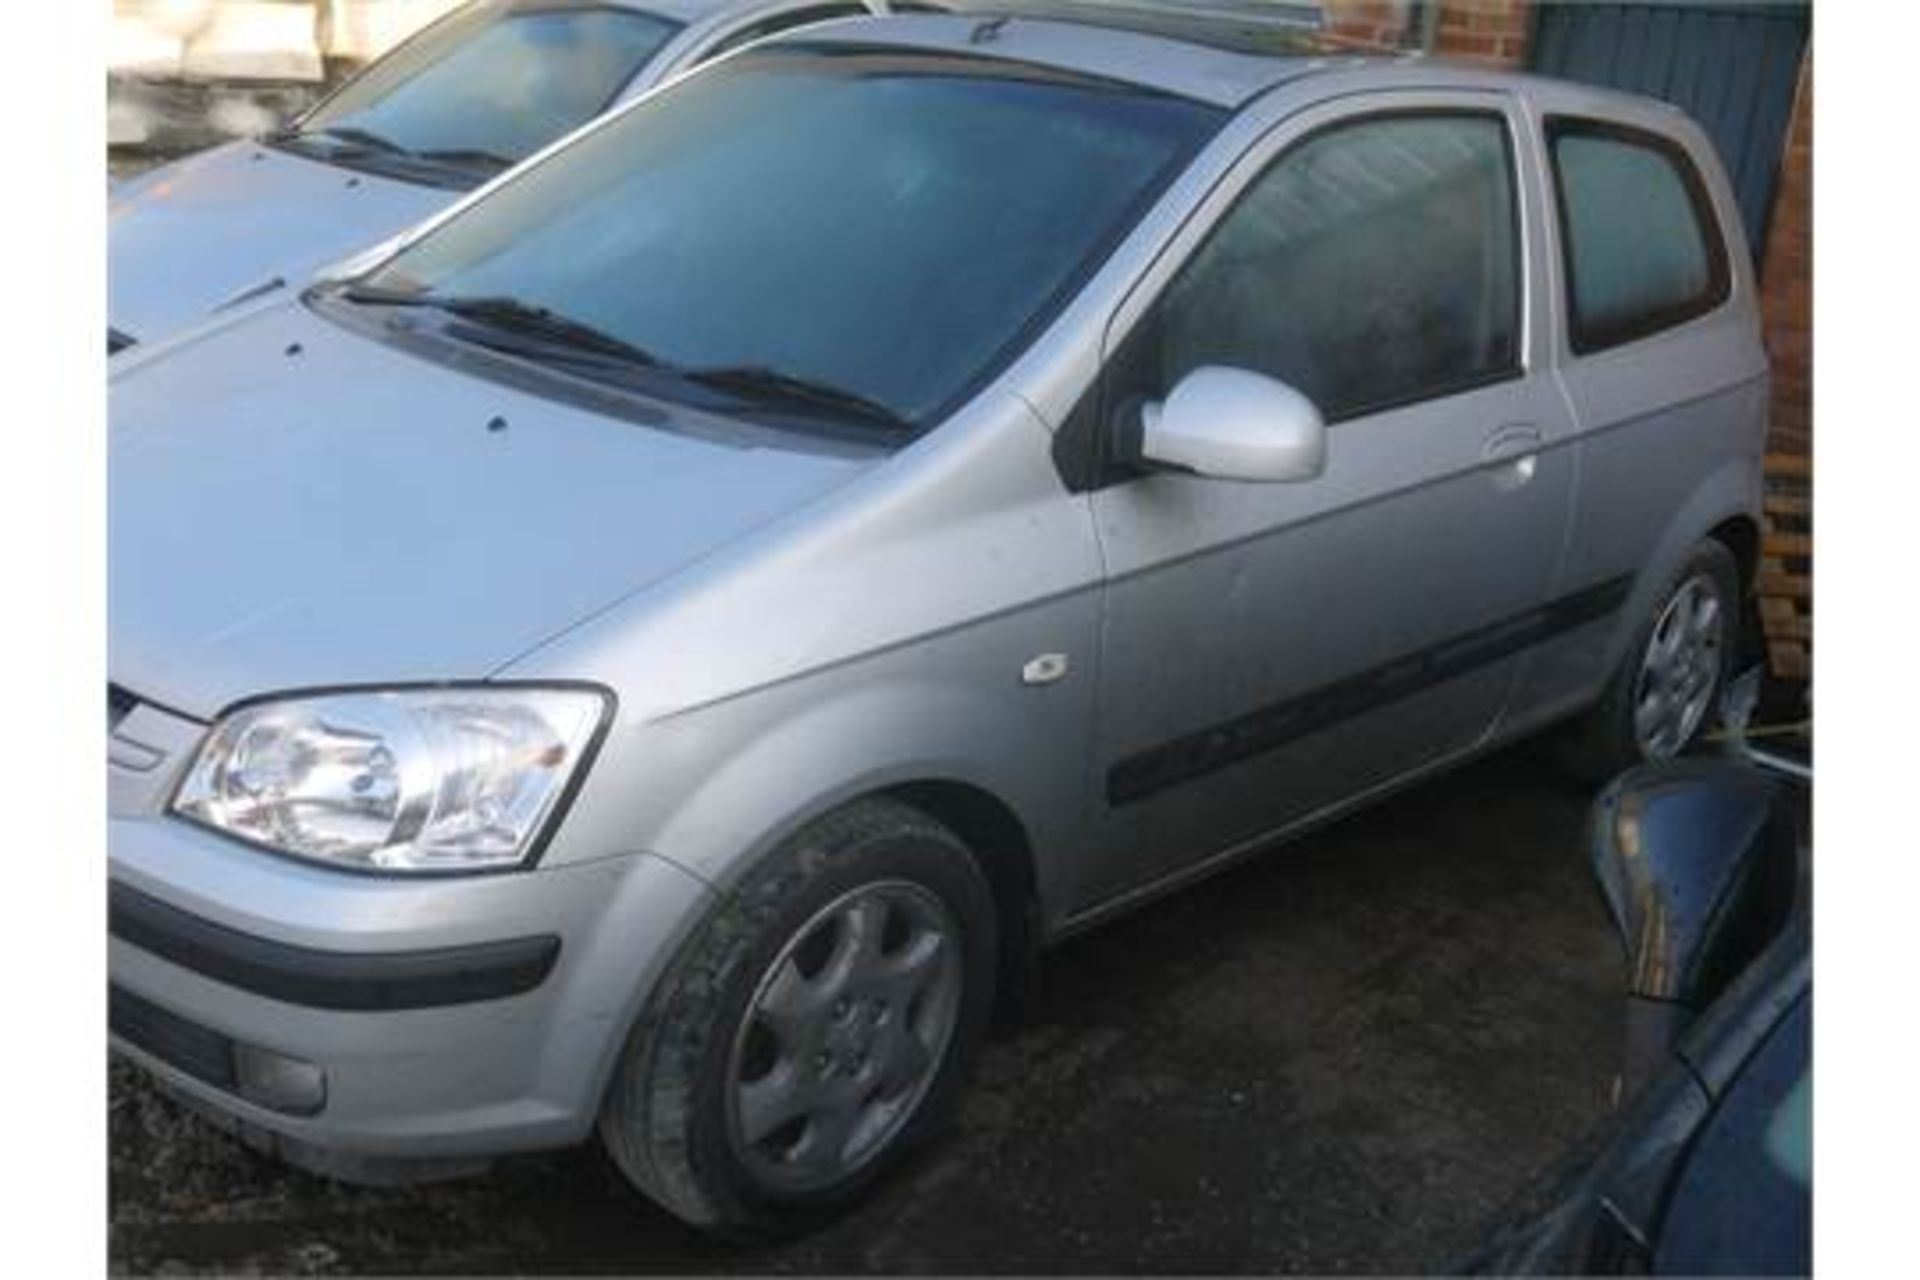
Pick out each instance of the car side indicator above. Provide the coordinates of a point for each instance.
(1044, 669)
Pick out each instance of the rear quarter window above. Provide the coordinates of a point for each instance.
(1642, 247)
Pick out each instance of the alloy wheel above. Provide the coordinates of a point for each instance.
(844, 1035)
(1680, 668)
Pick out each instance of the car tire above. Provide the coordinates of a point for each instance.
(1625, 728)
(814, 1029)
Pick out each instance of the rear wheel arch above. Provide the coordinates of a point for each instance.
(1741, 536)
(1723, 509)
(1605, 740)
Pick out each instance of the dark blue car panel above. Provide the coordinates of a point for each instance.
(1743, 1204)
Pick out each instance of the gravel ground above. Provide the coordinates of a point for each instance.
(1342, 1057)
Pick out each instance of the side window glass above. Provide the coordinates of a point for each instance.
(1376, 263)
(1642, 252)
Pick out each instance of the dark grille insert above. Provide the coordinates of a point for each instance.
(119, 704)
(187, 1046)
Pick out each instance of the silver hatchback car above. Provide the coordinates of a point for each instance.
(665, 646)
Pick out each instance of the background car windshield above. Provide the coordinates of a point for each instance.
(887, 223)
(496, 78)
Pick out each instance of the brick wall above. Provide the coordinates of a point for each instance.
(1492, 31)
(1786, 280)
(1786, 309)
(1366, 24)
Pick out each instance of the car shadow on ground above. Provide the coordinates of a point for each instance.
(1343, 1056)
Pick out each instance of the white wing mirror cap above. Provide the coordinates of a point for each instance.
(1234, 424)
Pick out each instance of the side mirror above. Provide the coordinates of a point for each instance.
(1698, 861)
(1234, 424)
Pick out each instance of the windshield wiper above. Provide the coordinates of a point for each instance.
(354, 291)
(776, 388)
(494, 317)
(358, 137)
(340, 137)
(350, 144)
(524, 328)
(467, 158)
(503, 314)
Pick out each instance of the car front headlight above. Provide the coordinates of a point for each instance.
(399, 781)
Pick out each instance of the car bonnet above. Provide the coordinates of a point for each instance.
(294, 505)
(185, 239)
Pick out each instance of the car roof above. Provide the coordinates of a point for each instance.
(1188, 64)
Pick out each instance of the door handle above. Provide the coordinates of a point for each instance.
(1516, 450)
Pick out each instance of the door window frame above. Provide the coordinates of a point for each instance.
(1082, 445)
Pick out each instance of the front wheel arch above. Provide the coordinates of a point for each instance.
(661, 1118)
(999, 840)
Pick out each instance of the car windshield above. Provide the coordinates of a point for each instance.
(883, 227)
(494, 80)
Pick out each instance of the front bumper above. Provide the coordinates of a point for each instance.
(448, 1018)
(368, 981)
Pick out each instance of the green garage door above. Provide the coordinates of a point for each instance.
(1732, 67)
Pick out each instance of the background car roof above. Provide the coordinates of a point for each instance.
(691, 11)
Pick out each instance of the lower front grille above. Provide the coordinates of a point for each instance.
(261, 1076)
(187, 1046)
(119, 704)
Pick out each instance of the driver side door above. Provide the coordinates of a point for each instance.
(1274, 651)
